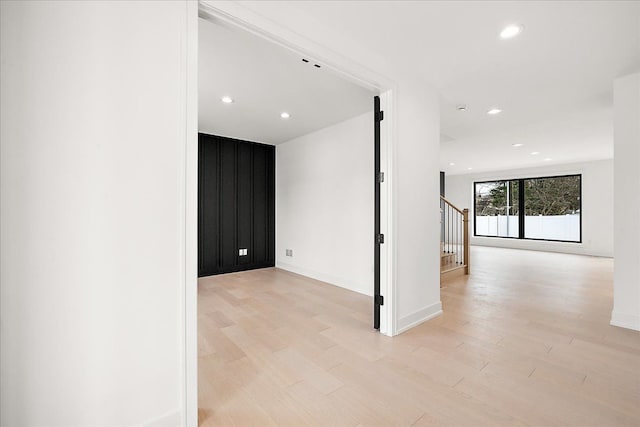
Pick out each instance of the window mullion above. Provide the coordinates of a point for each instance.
(521, 209)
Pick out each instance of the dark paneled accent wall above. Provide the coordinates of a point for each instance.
(236, 205)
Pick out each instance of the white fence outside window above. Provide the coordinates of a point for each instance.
(551, 227)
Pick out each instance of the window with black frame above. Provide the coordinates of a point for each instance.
(546, 208)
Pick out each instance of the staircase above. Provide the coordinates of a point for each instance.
(454, 240)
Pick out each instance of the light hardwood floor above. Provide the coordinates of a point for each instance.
(524, 340)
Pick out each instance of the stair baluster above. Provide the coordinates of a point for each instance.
(454, 239)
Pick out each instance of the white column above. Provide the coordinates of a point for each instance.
(626, 301)
(416, 191)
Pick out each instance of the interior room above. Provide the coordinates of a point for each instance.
(318, 128)
(286, 206)
(319, 376)
(508, 239)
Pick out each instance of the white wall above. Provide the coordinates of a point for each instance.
(626, 300)
(324, 204)
(416, 204)
(597, 206)
(93, 138)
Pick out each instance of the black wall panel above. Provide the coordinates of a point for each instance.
(260, 206)
(244, 197)
(236, 205)
(208, 212)
(271, 207)
(227, 205)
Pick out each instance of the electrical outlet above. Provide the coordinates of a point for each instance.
(289, 252)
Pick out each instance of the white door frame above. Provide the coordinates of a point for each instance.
(189, 356)
(238, 16)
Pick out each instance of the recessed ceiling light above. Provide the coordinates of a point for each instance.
(452, 164)
(494, 111)
(226, 99)
(285, 115)
(548, 159)
(469, 169)
(461, 107)
(517, 145)
(535, 153)
(510, 31)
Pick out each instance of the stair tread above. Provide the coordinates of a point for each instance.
(457, 267)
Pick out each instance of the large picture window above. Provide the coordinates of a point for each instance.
(547, 208)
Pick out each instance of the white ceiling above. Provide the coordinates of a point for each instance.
(553, 82)
(265, 80)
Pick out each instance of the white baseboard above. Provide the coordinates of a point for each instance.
(171, 419)
(323, 277)
(623, 320)
(420, 316)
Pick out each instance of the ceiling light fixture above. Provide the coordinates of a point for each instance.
(461, 107)
(469, 169)
(548, 159)
(226, 99)
(494, 111)
(535, 153)
(285, 115)
(510, 31)
(517, 145)
(452, 164)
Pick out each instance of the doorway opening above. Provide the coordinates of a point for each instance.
(253, 95)
(311, 115)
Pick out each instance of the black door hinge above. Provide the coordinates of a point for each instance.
(379, 300)
(380, 116)
(380, 238)
(380, 177)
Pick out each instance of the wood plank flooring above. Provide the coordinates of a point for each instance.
(524, 340)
